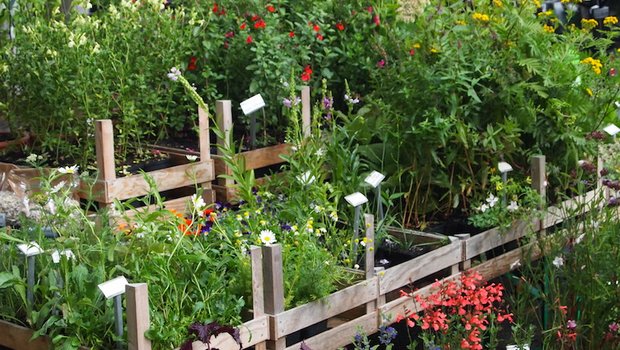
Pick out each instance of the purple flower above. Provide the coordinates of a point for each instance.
(174, 74)
(286, 227)
(571, 324)
(287, 103)
(328, 102)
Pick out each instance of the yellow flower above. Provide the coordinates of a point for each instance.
(499, 186)
(528, 180)
(594, 63)
(434, 50)
(589, 92)
(548, 13)
(459, 22)
(611, 20)
(537, 3)
(480, 17)
(588, 24)
(498, 3)
(417, 46)
(548, 29)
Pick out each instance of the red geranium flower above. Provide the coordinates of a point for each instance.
(320, 37)
(229, 34)
(376, 20)
(215, 8)
(260, 24)
(255, 18)
(291, 34)
(340, 26)
(249, 39)
(243, 26)
(271, 9)
(307, 74)
(316, 27)
(191, 66)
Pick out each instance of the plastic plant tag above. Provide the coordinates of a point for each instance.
(306, 178)
(2, 219)
(374, 179)
(113, 287)
(67, 253)
(504, 167)
(518, 347)
(611, 129)
(252, 104)
(356, 199)
(30, 249)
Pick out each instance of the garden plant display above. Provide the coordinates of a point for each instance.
(434, 103)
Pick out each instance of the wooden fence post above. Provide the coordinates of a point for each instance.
(104, 149)
(273, 291)
(539, 183)
(258, 295)
(306, 114)
(223, 115)
(138, 320)
(465, 263)
(205, 151)
(369, 259)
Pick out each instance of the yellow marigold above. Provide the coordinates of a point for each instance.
(434, 50)
(498, 3)
(537, 3)
(480, 17)
(548, 29)
(610, 21)
(595, 64)
(548, 13)
(588, 24)
(416, 46)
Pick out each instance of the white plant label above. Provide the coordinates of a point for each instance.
(612, 129)
(504, 167)
(66, 253)
(252, 104)
(306, 178)
(517, 347)
(30, 249)
(113, 287)
(374, 179)
(356, 199)
(2, 219)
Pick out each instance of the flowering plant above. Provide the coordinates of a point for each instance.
(459, 314)
(505, 203)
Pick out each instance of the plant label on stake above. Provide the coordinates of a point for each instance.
(66, 253)
(248, 107)
(374, 179)
(612, 129)
(504, 168)
(114, 288)
(356, 200)
(30, 251)
(2, 220)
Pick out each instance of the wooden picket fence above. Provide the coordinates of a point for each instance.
(108, 187)
(375, 300)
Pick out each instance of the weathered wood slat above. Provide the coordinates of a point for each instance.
(495, 237)
(342, 335)
(561, 212)
(420, 267)
(308, 314)
(18, 338)
(166, 179)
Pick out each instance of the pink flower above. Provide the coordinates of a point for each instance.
(571, 324)
(376, 20)
(381, 63)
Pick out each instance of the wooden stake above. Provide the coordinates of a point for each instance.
(274, 291)
(258, 295)
(465, 263)
(223, 116)
(138, 320)
(538, 183)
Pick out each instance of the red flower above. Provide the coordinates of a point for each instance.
(376, 20)
(307, 74)
(249, 39)
(291, 34)
(260, 24)
(340, 26)
(320, 37)
(243, 26)
(369, 9)
(191, 66)
(411, 52)
(316, 27)
(229, 34)
(255, 18)
(226, 44)
(215, 8)
(271, 9)
(612, 72)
